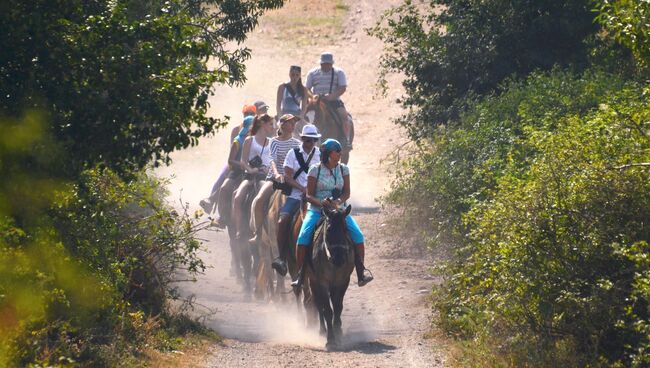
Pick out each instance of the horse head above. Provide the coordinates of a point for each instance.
(336, 235)
(314, 110)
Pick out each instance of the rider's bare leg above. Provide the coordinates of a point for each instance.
(358, 264)
(347, 126)
(225, 201)
(259, 203)
(238, 205)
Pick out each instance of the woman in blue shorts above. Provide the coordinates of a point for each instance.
(328, 185)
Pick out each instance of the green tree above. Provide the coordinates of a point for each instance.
(627, 21)
(453, 50)
(126, 82)
(559, 256)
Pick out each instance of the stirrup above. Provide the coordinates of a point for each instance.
(253, 240)
(366, 279)
(297, 283)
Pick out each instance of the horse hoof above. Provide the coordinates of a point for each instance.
(329, 347)
(333, 346)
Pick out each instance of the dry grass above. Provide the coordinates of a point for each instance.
(193, 352)
(306, 22)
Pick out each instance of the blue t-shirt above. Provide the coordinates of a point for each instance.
(327, 180)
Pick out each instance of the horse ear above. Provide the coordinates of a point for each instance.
(348, 209)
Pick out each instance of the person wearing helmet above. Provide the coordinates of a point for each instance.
(328, 185)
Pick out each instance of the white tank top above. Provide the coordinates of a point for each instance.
(260, 150)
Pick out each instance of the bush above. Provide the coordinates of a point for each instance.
(558, 256)
(460, 166)
(127, 234)
(86, 269)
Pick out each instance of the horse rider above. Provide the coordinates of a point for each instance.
(292, 96)
(220, 196)
(279, 147)
(263, 108)
(328, 185)
(331, 83)
(296, 166)
(255, 160)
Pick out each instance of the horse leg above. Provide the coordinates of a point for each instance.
(246, 264)
(279, 286)
(331, 337)
(310, 308)
(324, 311)
(337, 302)
(235, 253)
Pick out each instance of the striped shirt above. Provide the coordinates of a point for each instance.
(279, 151)
(319, 82)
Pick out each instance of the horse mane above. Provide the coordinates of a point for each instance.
(335, 251)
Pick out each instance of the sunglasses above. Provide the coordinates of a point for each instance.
(310, 140)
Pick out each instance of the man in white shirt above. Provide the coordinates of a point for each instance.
(331, 83)
(296, 167)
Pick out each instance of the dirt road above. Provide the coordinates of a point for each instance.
(385, 322)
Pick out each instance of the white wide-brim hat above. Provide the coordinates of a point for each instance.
(310, 130)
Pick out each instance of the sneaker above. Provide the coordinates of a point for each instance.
(206, 204)
(280, 266)
(367, 277)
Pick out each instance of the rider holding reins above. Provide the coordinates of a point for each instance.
(296, 166)
(331, 83)
(328, 185)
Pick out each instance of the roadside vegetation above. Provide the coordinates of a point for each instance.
(531, 162)
(94, 93)
(307, 22)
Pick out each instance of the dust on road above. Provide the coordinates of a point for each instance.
(385, 322)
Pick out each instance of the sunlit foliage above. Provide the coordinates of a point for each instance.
(126, 82)
(538, 182)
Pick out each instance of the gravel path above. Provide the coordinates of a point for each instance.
(385, 322)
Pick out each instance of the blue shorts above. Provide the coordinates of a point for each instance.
(309, 226)
(290, 207)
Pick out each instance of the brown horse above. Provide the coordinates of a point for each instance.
(245, 257)
(308, 300)
(332, 265)
(328, 123)
(268, 249)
